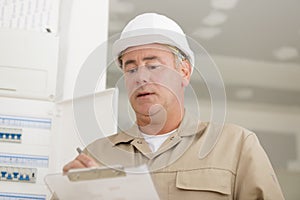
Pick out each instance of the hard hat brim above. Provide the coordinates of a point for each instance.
(121, 45)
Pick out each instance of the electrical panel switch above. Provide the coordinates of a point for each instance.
(10, 135)
(18, 174)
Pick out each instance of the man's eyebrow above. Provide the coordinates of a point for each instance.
(151, 58)
(129, 62)
(144, 59)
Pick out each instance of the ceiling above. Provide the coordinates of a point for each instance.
(255, 29)
(260, 30)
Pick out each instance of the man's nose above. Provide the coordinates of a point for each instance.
(143, 75)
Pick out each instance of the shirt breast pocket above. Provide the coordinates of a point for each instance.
(204, 184)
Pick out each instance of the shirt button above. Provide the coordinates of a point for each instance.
(139, 142)
(171, 138)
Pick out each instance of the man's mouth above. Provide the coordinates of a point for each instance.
(144, 94)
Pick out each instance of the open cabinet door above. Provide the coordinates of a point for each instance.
(80, 121)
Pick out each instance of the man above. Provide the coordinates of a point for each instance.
(157, 63)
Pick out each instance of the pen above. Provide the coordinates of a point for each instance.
(79, 150)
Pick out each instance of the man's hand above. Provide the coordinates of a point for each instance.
(81, 161)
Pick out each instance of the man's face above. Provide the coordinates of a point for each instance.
(153, 76)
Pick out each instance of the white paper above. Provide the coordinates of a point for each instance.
(133, 186)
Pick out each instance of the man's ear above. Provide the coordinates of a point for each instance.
(185, 72)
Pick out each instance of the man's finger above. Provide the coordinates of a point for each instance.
(73, 165)
(81, 161)
(86, 160)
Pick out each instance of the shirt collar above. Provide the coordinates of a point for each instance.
(189, 126)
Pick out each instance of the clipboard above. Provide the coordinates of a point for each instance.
(109, 183)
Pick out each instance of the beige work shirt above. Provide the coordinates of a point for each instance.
(237, 167)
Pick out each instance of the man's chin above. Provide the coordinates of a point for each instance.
(142, 112)
(149, 110)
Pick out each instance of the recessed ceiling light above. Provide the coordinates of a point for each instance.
(285, 53)
(118, 6)
(223, 4)
(214, 18)
(207, 32)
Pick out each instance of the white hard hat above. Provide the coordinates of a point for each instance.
(151, 28)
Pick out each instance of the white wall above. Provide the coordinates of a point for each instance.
(83, 27)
